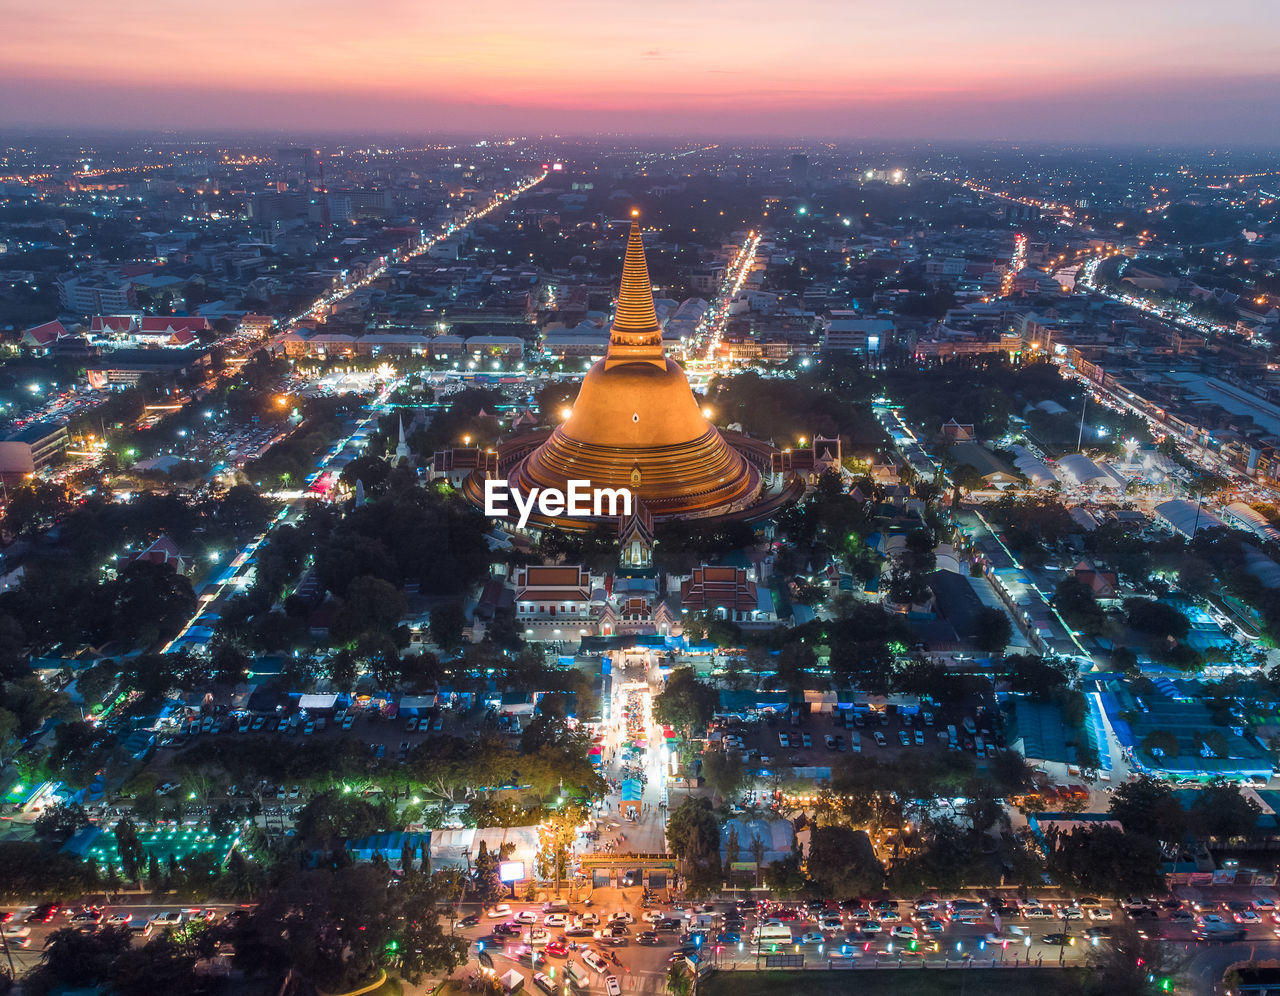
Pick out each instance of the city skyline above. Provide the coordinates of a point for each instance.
(591, 498)
(736, 71)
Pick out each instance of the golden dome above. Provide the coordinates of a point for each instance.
(636, 423)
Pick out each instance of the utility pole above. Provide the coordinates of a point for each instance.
(13, 972)
(1080, 436)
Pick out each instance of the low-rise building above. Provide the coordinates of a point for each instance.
(32, 447)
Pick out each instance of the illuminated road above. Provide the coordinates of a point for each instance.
(347, 289)
(1173, 312)
(1016, 263)
(237, 575)
(706, 338)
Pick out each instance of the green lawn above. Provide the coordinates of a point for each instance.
(891, 982)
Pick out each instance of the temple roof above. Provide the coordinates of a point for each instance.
(635, 335)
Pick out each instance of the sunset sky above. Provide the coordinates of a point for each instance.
(1174, 70)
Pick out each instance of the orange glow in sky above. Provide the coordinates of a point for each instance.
(835, 67)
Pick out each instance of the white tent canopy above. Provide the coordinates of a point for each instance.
(452, 848)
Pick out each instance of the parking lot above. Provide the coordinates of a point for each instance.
(385, 735)
(818, 739)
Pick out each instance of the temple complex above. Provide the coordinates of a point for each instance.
(637, 425)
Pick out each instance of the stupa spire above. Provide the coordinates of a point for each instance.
(635, 336)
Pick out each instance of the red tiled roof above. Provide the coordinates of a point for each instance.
(43, 335)
(719, 587)
(112, 323)
(545, 574)
(174, 323)
(164, 545)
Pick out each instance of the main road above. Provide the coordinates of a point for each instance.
(453, 228)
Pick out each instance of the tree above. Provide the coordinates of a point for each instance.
(72, 959)
(342, 815)
(339, 927)
(1156, 619)
(488, 884)
(129, 848)
(10, 738)
(685, 703)
(372, 607)
(556, 834)
(693, 833)
(148, 602)
(785, 876)
(372, 471)
(992, 630)
(447, 623)
(1148, 807)
(1078, 607)
(165, 964)
(35, 506)
(61, 821)
(32, 702)
(31, 871)
(1162, 744)
(1221, 812)
(842, 862)
(678, 981)
(724, 771)
(1036, 676)
(1106, 860)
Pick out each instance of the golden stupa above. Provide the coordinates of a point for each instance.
(636, 423)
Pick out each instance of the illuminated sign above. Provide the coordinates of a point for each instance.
(511, 871)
